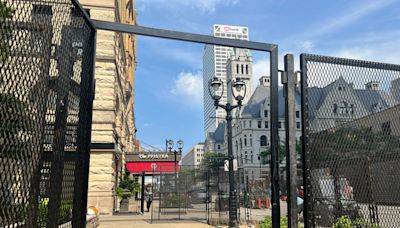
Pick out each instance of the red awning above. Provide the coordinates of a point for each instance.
(139, 167)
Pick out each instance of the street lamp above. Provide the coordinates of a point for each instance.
(216, 90)
(170, 145)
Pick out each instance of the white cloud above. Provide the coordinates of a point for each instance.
(205, 6)
(307, 46)
(147, 124)
(188, 87)
(260, 68)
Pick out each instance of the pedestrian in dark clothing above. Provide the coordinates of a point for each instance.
(148, 197)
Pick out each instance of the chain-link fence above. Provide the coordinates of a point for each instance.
(351, 129)
(46, 66)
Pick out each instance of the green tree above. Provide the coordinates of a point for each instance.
(350, 143)
(281, 153)
(212, 161)
(6, 13)
(127, 183)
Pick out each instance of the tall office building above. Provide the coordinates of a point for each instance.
(214, 65)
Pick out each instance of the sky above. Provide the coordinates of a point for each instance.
(168, 81)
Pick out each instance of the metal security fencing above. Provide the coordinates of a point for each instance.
(46, 92)
(180, 195)
(202, 194)
(351, 129)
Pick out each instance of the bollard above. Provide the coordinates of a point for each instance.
(266, 203)
(259, 203)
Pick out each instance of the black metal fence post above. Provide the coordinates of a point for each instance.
(276, 213)
(289, 81)
(142, 194)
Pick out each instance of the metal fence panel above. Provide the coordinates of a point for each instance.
(351, 130)
(46, 66)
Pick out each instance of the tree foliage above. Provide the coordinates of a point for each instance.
(212, 161)
(281, 153)
(350, 143)
(127, 183)
(6, 13)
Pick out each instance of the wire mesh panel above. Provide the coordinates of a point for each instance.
(46, 66)
(181, 195)
(351, 130)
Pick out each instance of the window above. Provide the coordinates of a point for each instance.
(247, 69)
(219, 147)
(249, 123)
(263, 140)
(279, 124)
(386, 128)
(265, 113)
(297, 114)
(334, 108)
(344, 107)
(240, 143)
(241, 158)
(242, 68)
(266, 124)
(298, 125)
(251, 156)
(237, 146)
(251, 140)
(245, 140)
(237, 68)
(259, 124)
(352, 108)
(244, 124)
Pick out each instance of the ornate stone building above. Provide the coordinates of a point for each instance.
(113, 128)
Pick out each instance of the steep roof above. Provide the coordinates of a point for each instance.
(218, 135)
(367, 97)
(260, 96)
(261, 93)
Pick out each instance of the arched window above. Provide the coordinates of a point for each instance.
(263, 140)
(247, 69)
(237, 146)
(245, 157)
(251, 156)
(240, 143)
(242, 68)
(241, 158)
(245, 140)
(237, 68)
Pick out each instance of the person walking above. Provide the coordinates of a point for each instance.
(148, 196)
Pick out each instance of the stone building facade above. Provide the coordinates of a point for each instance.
(113, 127)
(194, 157)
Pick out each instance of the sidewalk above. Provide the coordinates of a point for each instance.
(143, 221)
